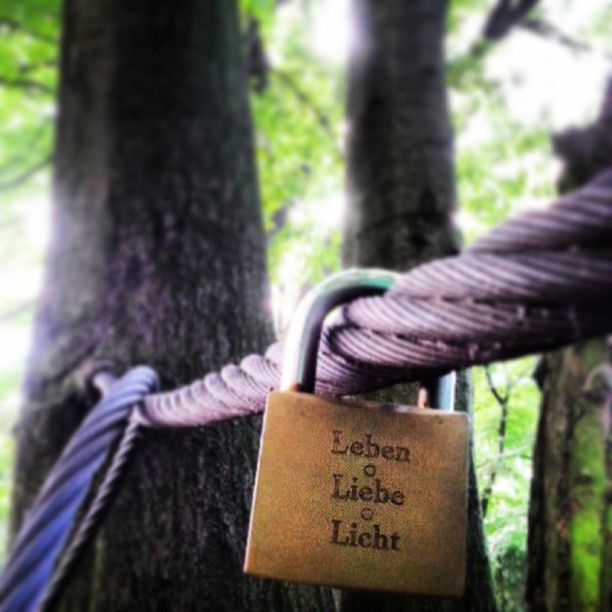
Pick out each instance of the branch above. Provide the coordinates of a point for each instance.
(322, 119)
(22, 157)
(508, 14)
(15, 26)
(257, 61)
(503, 401)
(551, 32)
(279, 221)
(27, 84)
(505, 15)
(26, 174)
(585, 152)
(17, 310)
(46, 64)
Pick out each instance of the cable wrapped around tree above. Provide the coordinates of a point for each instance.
(534, 283)
(44, 531)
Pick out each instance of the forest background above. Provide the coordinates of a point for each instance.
(508, 98)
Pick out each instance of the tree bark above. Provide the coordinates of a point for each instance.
(570, 532)
(157, 256)
(401, 196)
(400, 168)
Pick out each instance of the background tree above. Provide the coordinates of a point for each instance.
(402, 196)
(157, 256)
(570, 538)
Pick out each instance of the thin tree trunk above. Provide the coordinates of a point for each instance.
(157, 256)
(570, 531)
(401, 193)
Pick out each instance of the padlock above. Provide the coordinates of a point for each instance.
(357, 495)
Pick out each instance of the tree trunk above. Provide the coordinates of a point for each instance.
(401, 193)
(157, 256)
(570, 529)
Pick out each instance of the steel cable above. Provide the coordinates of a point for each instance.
(534, 283)
(88, 525)
(47, 524)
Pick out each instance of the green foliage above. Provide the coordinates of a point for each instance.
(298, 119)
(503, 463)
(510, 574)
(264, 11)
(462, 10)
(28, 74)
(29, 32)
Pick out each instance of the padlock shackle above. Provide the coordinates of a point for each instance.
(302, 342)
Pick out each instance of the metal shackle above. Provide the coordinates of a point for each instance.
(302, 342)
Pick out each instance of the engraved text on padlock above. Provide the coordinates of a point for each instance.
(361, 496)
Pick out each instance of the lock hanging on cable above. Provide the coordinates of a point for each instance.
(358, 495)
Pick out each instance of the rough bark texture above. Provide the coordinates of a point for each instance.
(157, 256)
(570, 517)
(569, 530)
(401, 193)
(400, 179)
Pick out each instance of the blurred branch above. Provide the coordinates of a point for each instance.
(508, 14)
(503, 400)
(26, 174)
(257, 61)
(585, 151)
(15, 26)
(26, 84)
(520, 452)
(322, 119)
(551, 32)
(23, 156)
(17, 310)
(279, 221)
(505, 15)
(48, 64)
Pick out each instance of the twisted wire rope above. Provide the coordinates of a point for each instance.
(89, 524)
(533, 283)
(47, 524)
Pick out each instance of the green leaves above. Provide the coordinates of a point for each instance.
(29, 31)
(506, 406)
(28, 75)
(298, 119)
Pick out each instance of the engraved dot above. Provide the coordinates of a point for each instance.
(354, 525)
(354, 479)
(369, 470)
(367, 514)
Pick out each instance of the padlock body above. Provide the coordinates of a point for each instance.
(359, 495)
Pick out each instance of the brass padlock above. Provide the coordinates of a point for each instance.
(351, 494)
